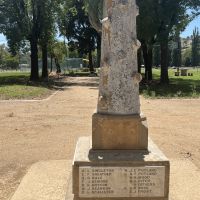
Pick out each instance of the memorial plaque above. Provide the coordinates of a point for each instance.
(148, 181)
(118, 124)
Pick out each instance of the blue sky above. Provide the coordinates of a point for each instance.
(188, 31)
(2, 39)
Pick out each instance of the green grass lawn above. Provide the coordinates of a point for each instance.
(16, 85)
(179, 87)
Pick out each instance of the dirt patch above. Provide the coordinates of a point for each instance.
(174, 126)
(48, 130)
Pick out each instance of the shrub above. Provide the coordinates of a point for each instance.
(10, 62)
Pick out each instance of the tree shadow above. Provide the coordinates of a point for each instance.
(53, 82)
(24, 80)
(11, 80)
(177, 88)
(85, 81)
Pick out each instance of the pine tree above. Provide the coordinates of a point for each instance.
(196, 47)
(177, 57)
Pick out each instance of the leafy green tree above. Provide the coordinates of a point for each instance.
(48, 30)
(50, 17)
(187, 57)
(172, 17)
(3, 53)
(147, 27)
(157, 22)
(196, 47)
(79, 32)
(7, 61)
(62, 20)
(11, 62)
(176, 53)
(57, 51)
(21, 21)
(32, 20)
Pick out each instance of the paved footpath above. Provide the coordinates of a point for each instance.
(51, 180)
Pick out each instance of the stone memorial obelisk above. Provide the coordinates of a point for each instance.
(120, 162)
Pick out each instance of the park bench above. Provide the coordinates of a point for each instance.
(183, 72)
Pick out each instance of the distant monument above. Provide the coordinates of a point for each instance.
(120, 161)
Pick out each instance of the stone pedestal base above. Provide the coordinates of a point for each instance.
(119, 132)
(119, 174)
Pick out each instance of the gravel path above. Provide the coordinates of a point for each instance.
(48, 130)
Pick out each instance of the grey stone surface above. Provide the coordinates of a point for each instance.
(45, 180)
(86, 157)
(85, 154)
(43, 177)
(119, 80)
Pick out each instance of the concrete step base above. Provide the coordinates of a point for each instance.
(51, 180)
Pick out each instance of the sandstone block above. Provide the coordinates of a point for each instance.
(119, 132)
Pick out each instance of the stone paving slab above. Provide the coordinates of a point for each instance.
(46, 180)
(51, 180)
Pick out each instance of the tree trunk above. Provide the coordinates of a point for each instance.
(58, 69)
(139, 58)
(179, 52)
(150, 63)
(156, 56)
(164, 62)
(34, 60)
(147, 55)
(44, 61)
(91, 66)
(99, 50)
(51, 63)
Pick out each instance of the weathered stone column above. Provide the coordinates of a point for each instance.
(118, 123)
(119, 164)
(119, 80)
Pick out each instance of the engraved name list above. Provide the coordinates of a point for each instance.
(121, 181)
